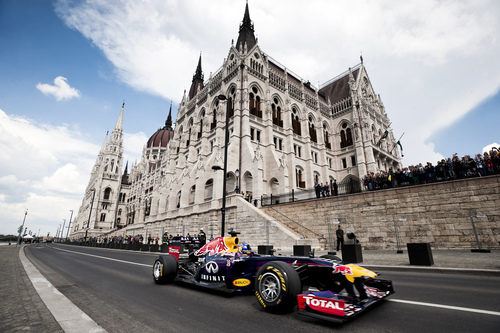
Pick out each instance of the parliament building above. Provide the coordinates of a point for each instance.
(284, 134)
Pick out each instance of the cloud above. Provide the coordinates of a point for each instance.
(133, 143)
(432, 61)
(60, 90)
(487, 148)
(45, 168)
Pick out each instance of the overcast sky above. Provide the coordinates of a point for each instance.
(67, 66)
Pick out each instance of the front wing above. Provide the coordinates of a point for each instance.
(328, 305)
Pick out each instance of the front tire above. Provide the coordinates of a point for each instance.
(165, 269)
(276, 286)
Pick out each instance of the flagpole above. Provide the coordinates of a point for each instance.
(396, 142)
(383, 135)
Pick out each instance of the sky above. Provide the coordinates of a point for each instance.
(67, 66)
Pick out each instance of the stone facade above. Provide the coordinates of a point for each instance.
(438, 213)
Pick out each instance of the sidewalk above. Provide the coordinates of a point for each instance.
(444, 260)
(21, 308)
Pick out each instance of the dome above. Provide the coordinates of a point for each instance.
(160, 138)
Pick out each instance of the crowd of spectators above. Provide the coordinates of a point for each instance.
(150, 240)
(446, 169)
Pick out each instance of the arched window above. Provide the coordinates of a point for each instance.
(107, 193)
(209, 188)
(274, 186)
(345, 136)
(191, 194)
(298, 178)
(325, 135)
(119, 212)
(230, 100)
(202, 116)
(248, 182)
(254, 103)
(179, 199)
(276, 109)
(103, 217)
(190, 126)
(296, 121)
(213, 125)
(312, 130)
(316, 178)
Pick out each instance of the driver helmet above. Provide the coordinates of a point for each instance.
(244, 247)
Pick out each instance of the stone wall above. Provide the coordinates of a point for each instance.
(437, 213)
(254, 225)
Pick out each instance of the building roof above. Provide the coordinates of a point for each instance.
(246, 33)
(162, 136)
(338, 88)
(197, 83)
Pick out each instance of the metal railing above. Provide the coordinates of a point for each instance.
(295, 195)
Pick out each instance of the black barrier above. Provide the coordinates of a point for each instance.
(164, 248)
(145, 247)
(154, 248)
(420, 254)
(301, 250)
(352, 253)
(264, 249)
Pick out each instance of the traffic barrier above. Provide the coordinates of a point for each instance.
(352, 253)
(301, 250)
(265, 249)
(420, 254)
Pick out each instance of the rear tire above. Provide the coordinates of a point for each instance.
(165, 269)
(276, 286)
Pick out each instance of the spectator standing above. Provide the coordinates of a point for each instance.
(203, 237)
(335, 188)
(340, 238)
(317, 189)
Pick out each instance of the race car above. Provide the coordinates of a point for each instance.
(324, 287)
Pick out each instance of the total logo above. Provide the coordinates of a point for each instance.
(212, 267)
(334, 307)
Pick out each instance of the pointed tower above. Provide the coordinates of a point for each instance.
(197, 83)
(246, 35)
(100, 202)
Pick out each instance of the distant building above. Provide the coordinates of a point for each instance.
(284, 134)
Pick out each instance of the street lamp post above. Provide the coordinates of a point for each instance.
(226, 140)
(69, 224)
(237, 174)
(90, 213)
(22, 226)
(62, 230)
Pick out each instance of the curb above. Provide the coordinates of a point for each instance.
(70, 317)
(442, 270)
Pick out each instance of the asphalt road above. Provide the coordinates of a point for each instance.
(120, 295)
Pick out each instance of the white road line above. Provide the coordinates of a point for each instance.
(112, 259)
(70, 317)
(450, 307)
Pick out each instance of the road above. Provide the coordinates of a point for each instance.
(116, 289)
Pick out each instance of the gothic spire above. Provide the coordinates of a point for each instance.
(246, 33)
(119, 121)
(168, 122)
(197, 83)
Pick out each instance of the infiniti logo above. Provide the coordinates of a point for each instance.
(212, 267)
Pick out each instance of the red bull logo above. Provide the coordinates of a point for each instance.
(343, 269)
(218, 245)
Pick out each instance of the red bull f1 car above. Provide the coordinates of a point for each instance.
(324, 288)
